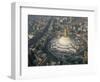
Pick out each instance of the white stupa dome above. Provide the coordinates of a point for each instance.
(63, 44)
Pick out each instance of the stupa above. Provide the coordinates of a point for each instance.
(61, 46)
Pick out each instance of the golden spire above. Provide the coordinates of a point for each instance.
(65, 32)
